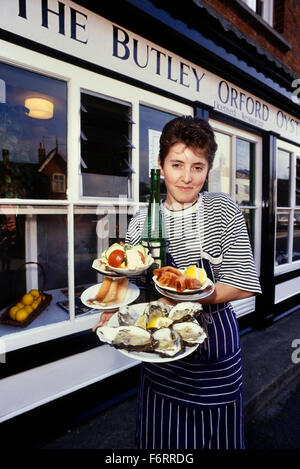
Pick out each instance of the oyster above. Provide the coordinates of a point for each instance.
(190, 332)
(169, 342)
(157, 309)
(184, 311)
(131, 338)
(127, 316)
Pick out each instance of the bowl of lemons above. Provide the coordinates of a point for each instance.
(26, 309)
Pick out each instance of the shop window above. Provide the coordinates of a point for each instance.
(287, 252)
(152, 122)
(33, 133)
(106, 146)
(234, 172)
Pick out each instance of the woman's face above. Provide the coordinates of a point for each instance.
(185, 171)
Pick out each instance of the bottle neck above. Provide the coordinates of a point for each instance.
(155, 187)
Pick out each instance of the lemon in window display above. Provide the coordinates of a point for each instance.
(21, 315)
(27, 299)
(35, 293)
(13, 311)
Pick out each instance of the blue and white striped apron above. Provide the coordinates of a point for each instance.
(196, 402)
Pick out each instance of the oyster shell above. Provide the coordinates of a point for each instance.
(127, 316)
(190, 332)
(131, 338)
(169, 342)
(156, 309)
(184, 311)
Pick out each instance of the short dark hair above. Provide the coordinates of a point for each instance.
(194, 132)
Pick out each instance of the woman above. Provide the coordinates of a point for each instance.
(196, 402)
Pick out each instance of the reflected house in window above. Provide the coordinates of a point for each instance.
(54, 166)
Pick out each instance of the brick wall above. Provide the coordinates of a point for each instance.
(286, 22)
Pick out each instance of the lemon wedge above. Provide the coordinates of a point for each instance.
(142, 321)
(195, 272)
(159, 322)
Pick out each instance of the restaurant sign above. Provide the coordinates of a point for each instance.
(74, 30)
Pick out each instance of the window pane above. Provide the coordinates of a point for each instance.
(152, 122)
(12, 255)
(282, 227)
(95, 229)
(250, 217)
(283, 178)
(244, 177)
(105, 147)
(30, 259)
(33, 134)
(298, 180)
(219, 176)
(296, 240)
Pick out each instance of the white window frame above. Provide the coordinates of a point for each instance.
(294, 152)
(77, 79)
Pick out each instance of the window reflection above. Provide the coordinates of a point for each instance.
(283, 178)
(33, 132)
(282, 228)
(105, 147)
(249, 216)
(219, 176)
(244, 171)
(152, 122)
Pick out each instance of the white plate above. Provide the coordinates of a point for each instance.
(151, 357)
(186, 291)
(183, 296)
(155, 358)
(131, 295)
(131, 272)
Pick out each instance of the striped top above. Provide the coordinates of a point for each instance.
(213, 228)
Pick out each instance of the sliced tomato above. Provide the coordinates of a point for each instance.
(116, 258)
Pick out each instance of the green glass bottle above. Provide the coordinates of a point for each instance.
(153, 234)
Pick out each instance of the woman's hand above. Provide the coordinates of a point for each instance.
(104, 318)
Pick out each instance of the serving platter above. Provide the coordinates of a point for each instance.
(150, 357)
(131, 295)
(119, 272)
(187, 291)
(131, 272)
(184, 296)
(102, 268)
